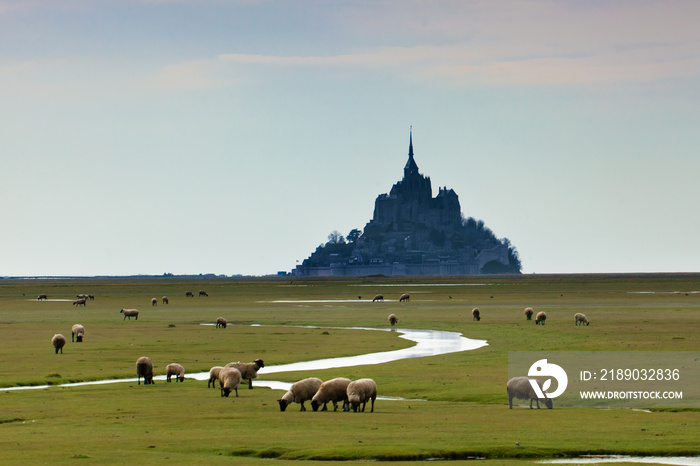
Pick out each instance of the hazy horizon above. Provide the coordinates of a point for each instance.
(143, 137)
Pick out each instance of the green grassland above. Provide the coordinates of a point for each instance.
(451, 407)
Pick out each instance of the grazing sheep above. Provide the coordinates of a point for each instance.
(300, 392)
(42, 297)
(58, 341)
(203, 293)
(404, 297)
(154, 302)
(229, 379)
(130, 313)
(81, 296)
(166, 300)
(77, 333)
(333, 390)
(79, 302)
(361, 390)
(393, 320)
(540, 317)
(519, 387)
(189, 294)
(213, 376)
(476, 314)
(177, 370)
(528, 313)
(580, 318)
(379, 297)
(92, 297)
(220, 322)
(248, 370)
(144, 368)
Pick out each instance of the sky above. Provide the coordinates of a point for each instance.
(231, 137)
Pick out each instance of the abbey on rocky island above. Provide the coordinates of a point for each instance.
(414, 233)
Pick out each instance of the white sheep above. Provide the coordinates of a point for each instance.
(519, 387)
(476, 314)
(214, 376)
(333, 390)
(540, 317)
(166, 300)
(404, 297)
(248, 370)
(221, 322)
(58, 341)
(229, 379)
(130, 313)
(393, 320)
(175, 369)
(361, 390)
(77, 333)
(300, 392)
(528, 313)
(580, 318)
(144, 368)
(379, 297)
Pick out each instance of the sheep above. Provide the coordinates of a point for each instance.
(154, 302)
(58, 341)
(229, 379)
(130, 313)
(42, 297)
(540, 317)
(166, 300)
(581, 318)
(177, 370)
(393, 320)
(144, 368)
(359, 391)
(476, 314)
(221, 322)
(404, 297)
(528, 313)
(81, 296)
(519, 387)
(79, 302)
(203, 293)
(300, 392)
(92, 297)
(189, 294)
(248, 370)
(77, 333)
(379, 297)
(213, 376)
(334, 390)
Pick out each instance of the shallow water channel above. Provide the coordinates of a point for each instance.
(428, 343)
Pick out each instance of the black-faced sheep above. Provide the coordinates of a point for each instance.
(528, 313)
(580, 319)
(214, 376)
(42, 297)
(175, 369)
(476, 314)
(393, 320)
(300, 392)
(77, 333)
(130, 313)
(144, 368)
(248, 370)
(189, 294)
(166, 300)
(379, 297)
(519, 387)
(359, 391)
(221, 322)
(404, 297)
(154, 302)
(229, 379)
(333, 390)
(540, 317)
(79, 302)
(203, 293)
(58, 341)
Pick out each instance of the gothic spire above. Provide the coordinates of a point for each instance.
(411, 166)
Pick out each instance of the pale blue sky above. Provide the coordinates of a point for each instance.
(231, 137)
